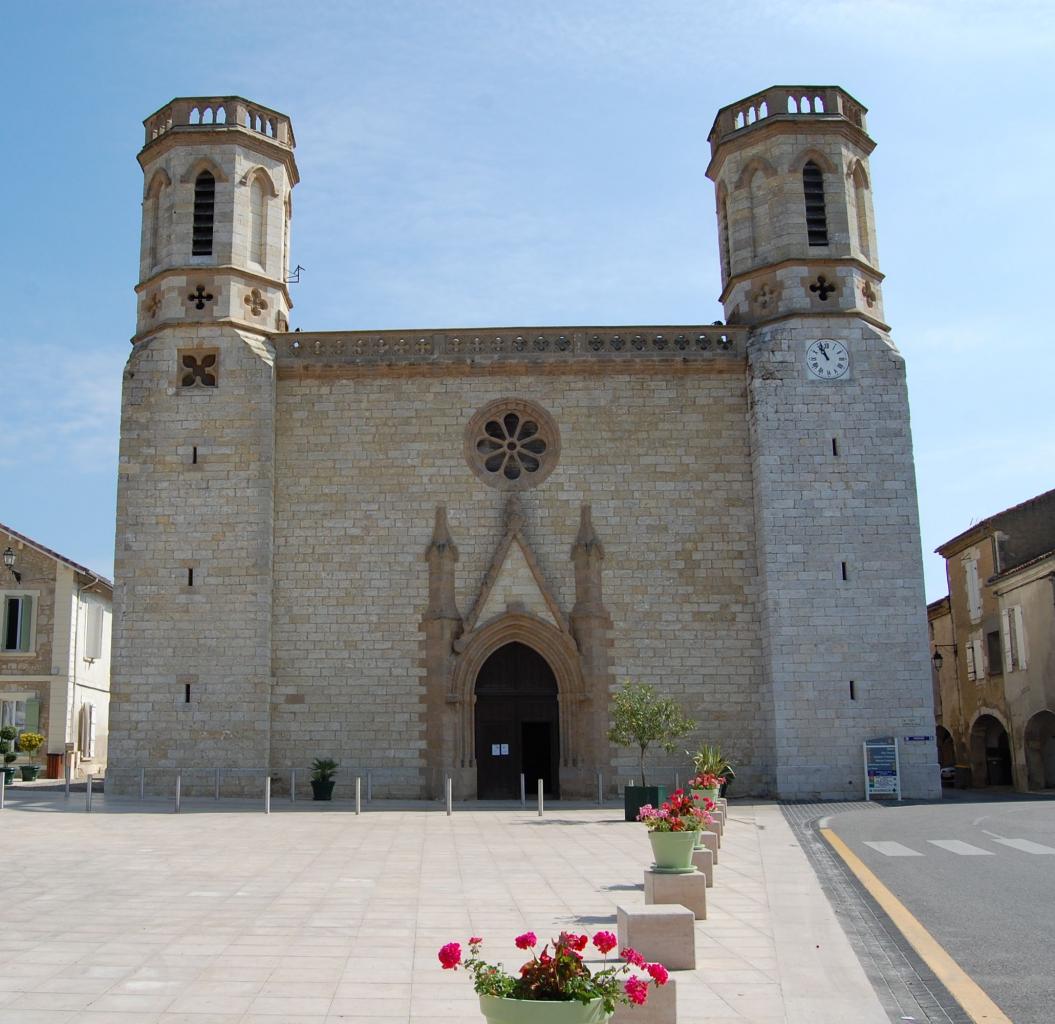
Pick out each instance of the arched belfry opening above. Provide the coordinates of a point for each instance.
(517, 724)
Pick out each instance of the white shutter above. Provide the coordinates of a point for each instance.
(979, 657)
(974, 596)
(93, 630)
(1020, 635)
(1009, 646)
(91, 731)
(971, 674)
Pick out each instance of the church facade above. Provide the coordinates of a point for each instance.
(439, 552)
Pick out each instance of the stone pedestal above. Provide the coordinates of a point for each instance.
(690, 890)
(663, 933)
(703, 861)
(709, 841)
(661, 1007)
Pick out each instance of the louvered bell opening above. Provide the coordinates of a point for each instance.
(204, 208)
(813, 191)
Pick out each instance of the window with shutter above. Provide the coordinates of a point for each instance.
(1020, 636)
(979, 656)
(1010, 642)
(971, 672)
(18, 623)
(974, 593)
(93, 630)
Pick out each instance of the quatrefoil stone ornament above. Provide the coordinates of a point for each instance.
(869, 294)
(154, 305)
(199, 297)
(256, 302)
(822, 288)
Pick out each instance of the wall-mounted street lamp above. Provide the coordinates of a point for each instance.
(937, 661)
(9, 564)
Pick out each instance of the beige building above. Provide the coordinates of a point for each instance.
(55, 652)
(994, 634)
(438, 552)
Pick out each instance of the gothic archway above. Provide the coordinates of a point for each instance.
(516, 723)
(990, 752)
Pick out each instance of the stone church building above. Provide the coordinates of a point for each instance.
(440, 551)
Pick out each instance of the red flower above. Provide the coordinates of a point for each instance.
(475, 940)
(658, 972)
(450, 955)
(605, 941)
(636, 990)
(526, 941)
(574, 941)
(632, 956)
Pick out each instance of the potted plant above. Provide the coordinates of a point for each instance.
(557, 987)
(710, 761)
(29, 743)
(7, 735)
(640, 717)
(323, 769)
(673, 831)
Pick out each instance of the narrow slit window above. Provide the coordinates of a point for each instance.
(194, 455)
(186, 693)
(204, 210)
(853, 690)
(813, 192)
(190, 577)
(835, 447)
(844, 571)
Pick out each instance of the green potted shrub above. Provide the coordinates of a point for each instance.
(641, 718)
(7, 736)
(323, 769)
(29, 743)
(713, 771)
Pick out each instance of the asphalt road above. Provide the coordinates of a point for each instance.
(978, 872)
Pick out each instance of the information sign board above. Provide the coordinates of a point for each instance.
(882, 769)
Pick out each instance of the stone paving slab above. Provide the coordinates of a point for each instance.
(224, 915)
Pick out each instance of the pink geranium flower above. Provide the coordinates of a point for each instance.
(526, 941)
(450, 955)
(475, 940)
(636, 990)
(632, 956)
(605, 941)
(660, 975)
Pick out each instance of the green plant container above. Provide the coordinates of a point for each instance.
(322, 790)
(673, 850)
(499, 1010)
(9, 775)
(635, 797)
(30, 772)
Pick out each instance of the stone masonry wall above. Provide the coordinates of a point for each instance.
(361, 462)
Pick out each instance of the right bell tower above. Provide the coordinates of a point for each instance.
(841, 598)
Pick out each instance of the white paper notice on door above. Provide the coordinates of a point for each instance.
(496, 749)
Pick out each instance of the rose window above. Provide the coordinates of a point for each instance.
(512, 444)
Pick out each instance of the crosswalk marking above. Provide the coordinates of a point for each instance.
(1025, 845)
(889, 849)
(960, 847)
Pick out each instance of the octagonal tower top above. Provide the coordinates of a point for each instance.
(196, 113)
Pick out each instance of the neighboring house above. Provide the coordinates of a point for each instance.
(995, 678)
(54, 651)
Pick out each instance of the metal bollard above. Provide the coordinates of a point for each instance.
(600, 789)
(142, 783)
(293, 785)
(267, 795)
(369, 786)
(3, 786)
(523, 791)
(179, 783)
(677, 783)
(358, 795)
(88, 795)
(540, 798)
(216, 792)
(67, 771)
(450, 796)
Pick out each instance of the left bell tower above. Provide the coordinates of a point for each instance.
(195, 497)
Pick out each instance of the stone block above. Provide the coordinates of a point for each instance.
(688, 890)
(703, 861)
(709, 841)
(664, 933)
(661, 1007)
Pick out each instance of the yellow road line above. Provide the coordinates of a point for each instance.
(975, 1003)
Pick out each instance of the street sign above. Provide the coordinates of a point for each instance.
(882, 769)
(917, 739)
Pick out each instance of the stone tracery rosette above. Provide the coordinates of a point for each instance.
(512, 444)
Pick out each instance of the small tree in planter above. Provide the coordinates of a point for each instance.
(323, 769)
(29, 743)
(641, 718)
(7, 735)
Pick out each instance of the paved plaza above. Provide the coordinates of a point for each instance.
(313, 915)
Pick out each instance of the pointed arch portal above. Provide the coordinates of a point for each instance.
(516, 724)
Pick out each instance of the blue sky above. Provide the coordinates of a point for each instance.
(500, 163)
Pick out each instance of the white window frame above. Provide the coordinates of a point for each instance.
(9, 712)
(34, 596)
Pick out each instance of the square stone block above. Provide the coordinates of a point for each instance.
(690, 890)
(661, 1007)
(664, 933)
(703, 862)
(715, 830)
(718, 825)
(709, 841)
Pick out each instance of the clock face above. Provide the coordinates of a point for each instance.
(827, 360)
